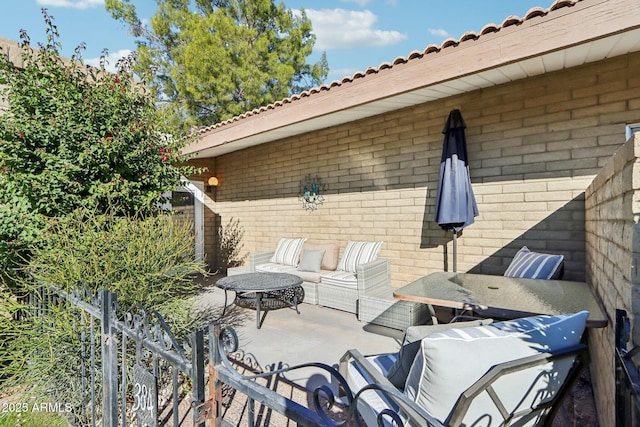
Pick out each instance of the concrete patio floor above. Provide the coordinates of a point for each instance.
(320, 334)
(317, 334)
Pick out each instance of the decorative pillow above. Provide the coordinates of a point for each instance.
(330, 259)
(449, 362)
(311, 260)
(534, 265)
(357, 253)
(288, 252)
(398, 372)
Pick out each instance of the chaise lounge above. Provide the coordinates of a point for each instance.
(509, 373)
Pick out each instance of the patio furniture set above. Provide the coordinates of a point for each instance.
(521, 371)
(356, 282)
(522, 367)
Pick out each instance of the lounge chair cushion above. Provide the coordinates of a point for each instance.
(357, 378)
(357, 253)
(449, 362)
(288, 252)
(398, 372)
(342, 279)
(534, 265)
(311, 260)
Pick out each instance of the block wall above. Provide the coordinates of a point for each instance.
(534, 147)
(612, 238)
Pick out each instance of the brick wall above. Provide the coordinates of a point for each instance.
(612, 236)
(534, 145)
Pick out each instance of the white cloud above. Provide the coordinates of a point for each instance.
(74, 4)
(361, 3)
(112, 60)
(439, 32)
(340, 28)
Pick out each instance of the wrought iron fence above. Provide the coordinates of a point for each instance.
(132, 370)
(627, 375)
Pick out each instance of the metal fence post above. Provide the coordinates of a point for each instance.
(197, 364)
(109, 361)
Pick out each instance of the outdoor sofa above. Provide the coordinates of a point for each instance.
(356, 280)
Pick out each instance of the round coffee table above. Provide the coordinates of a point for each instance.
(263, 291)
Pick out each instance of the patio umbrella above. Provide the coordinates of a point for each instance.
(455, 203)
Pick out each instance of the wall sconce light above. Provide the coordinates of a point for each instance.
(211, 183)
(311, 190)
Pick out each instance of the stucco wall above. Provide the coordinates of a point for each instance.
(612, 205)
(535, 145)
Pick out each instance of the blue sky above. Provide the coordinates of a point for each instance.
(355, 34)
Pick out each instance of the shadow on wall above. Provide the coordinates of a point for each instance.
(562, 232)
(228, 245)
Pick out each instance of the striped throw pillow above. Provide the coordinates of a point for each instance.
(288, 252)
(357, 253)
(534, 265)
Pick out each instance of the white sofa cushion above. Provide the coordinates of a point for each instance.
(449, 362)
(339, 278)
(534, 265)
(272, 267)
(288, 252)
(307, 276)
(357, 253)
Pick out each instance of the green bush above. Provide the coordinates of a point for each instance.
(147, 262)
(74, 136)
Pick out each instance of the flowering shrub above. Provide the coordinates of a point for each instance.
(75, 137)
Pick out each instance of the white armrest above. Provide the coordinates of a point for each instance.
(374, 275)
(257, 258)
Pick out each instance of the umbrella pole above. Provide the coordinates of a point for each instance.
(455, 251)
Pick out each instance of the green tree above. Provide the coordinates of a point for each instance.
(75, 137)
(212, 60)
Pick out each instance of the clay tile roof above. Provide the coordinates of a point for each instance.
(534, 12)
(450, 42)
(414, 55)
(470, 35)
(489, 28)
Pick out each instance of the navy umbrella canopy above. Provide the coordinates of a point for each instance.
(456, 205)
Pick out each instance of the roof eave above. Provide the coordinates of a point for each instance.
(497, 57)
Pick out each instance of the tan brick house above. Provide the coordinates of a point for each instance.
(548, 99)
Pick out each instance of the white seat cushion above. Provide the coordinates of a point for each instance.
(341, 279)
(449, 362)
(272, 267)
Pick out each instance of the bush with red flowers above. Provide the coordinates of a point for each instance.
(74, 136)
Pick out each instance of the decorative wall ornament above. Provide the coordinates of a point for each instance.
(311, 190)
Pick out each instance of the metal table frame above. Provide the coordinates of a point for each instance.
(263, 291)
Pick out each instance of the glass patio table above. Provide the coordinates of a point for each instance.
(504, 297)
(263, 291)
